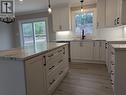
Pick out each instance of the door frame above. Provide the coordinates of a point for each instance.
(31, 21)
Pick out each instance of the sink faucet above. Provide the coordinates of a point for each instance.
(83, 34)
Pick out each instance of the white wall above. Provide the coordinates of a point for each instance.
(112, 34)
(6, 36)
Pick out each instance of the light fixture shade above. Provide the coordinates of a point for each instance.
(49, 10)
(49, 7)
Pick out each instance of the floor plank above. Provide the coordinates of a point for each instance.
(85, 79)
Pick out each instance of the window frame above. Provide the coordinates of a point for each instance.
(32, 21)
(74, 13)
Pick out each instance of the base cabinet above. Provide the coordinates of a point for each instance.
(39, 75)
(116, 68)
(88, 51)
(35, 76)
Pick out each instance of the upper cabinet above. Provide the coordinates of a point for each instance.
(61, 18)
(101, 13)
(111, 13)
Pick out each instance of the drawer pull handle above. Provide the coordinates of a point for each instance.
(52, 81)
(60, 72)
(112, 84)
(112, 53)
(60, 61)
(51, 55)
(51, 67)
(59, 51)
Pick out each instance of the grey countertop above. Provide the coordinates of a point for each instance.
(119, 46)
(26, 53)
(77, 40)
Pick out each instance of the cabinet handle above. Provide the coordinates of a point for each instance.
(59, 51)
(52, 81)
(64, 50)
(118, 20)
(106, 45)
(44, 61)
(51, 55)
(112, 53)
(51, 67)
(112, 83)
(60, 72)
(60, 61)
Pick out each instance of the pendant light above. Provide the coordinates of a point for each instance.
(82, 9)
(5, 15)
(49, 7)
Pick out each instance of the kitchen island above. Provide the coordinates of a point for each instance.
(33, 71)
(116, 63)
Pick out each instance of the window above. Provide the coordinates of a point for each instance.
(83, 21)
(34, 34)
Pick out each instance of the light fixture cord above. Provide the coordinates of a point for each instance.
(49, 3)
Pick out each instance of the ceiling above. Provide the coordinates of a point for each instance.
(33, 5)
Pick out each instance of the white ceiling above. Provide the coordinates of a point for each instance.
(33, 5)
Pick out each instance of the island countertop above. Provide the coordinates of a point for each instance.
(119, 46)
(26, 53)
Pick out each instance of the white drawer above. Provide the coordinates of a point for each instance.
(51, 79)
(55, 74)
(52, 65)
(55, 54)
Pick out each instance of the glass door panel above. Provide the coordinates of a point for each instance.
(40, 34)
(28, 39)
(34, 34)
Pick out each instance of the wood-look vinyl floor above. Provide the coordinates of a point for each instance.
(85, 79)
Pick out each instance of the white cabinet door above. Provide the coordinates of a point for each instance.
(56, 19)
(101, 13)
(111, 13)
(96, 50)
(75, 50)
(86, 50)
(64, 19)
(61, 19)
(35, 76)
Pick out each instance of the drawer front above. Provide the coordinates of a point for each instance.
(54, 54)
(53, 64)
(55, 74)
(51, 79)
